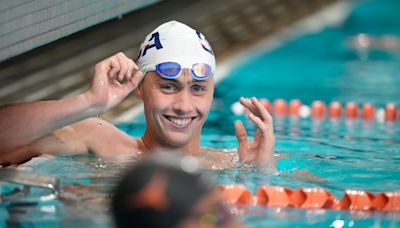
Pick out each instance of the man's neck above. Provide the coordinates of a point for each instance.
(150, 143)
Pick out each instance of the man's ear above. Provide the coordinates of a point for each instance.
(139, 91)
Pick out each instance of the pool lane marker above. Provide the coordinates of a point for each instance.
(335, 110)
(391, 113)
(319, 110)
(236, 194)
(310, 198)
(280, 107)
(351, 110)
(387, 201)
(368, 111)
(294, 107)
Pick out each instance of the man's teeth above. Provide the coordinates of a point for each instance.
(180, 121)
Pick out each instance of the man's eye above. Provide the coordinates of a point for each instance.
(168, 88)
(198, 89)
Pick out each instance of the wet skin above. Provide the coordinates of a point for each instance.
(175, 111)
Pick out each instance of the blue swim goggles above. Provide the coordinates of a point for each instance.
(171, 70)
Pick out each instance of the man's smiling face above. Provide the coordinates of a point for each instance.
(175, 109)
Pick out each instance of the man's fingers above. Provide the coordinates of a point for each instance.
(132, 68)
(241, 133)
(264, 114)
(124, 65)
(257, 108)
(117, 67)
(129, 72)
(261, 148)
(259, 123)
(258, 137)
(114, 68)
(241, 136)
(134, 81)
(246, 102)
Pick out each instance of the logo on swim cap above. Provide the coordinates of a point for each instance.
(155, 37)
(175, 42)
(204, 43)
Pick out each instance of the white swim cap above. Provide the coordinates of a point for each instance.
(175, 42)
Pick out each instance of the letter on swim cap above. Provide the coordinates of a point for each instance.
(157, 43)
(202, 40)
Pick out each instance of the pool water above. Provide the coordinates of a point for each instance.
(349, 154)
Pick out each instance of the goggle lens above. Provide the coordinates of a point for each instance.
(201, 71)
(170, 70)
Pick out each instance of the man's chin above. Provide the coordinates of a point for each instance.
(177, 140)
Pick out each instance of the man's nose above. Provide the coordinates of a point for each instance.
(183, 104)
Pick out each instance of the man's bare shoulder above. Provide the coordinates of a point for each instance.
(100, 137)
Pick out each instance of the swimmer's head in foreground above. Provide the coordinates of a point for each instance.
(168, 190)
(178, 86)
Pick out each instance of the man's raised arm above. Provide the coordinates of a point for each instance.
(22, 123)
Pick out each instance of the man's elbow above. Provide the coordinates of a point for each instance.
(17, 156)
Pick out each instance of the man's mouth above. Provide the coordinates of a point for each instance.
(180, 121)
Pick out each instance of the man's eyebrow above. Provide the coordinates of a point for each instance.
(199, 81)
(175, 80)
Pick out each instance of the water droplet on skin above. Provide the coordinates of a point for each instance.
(101, 163)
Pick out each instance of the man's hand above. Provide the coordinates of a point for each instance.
(261, 149)
(114, 78)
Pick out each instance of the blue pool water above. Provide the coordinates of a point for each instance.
(349, 154)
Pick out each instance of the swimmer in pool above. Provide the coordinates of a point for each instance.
(173, 76)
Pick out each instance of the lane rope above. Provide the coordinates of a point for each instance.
(311, 198)
(319, 110)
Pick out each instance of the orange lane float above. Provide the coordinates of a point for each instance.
(236, 194)
(387, 201)
(294, 107)
(280, 107)
(391, 112)
(357, 200)
(351, 110)
(368, 111)
(273, 196)
(318, 109)
(335, 110)
(311, 198)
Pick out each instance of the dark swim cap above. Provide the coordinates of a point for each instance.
(159, 191)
